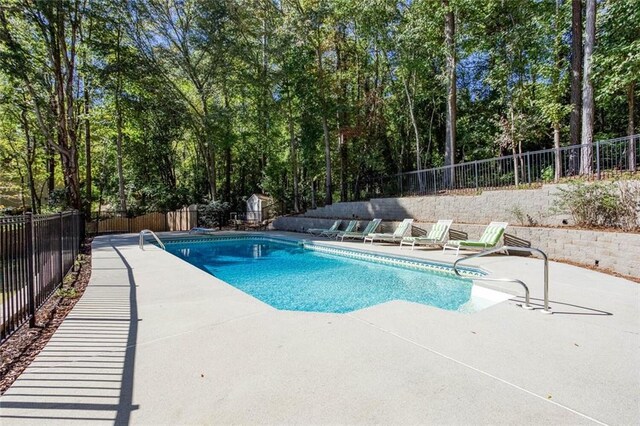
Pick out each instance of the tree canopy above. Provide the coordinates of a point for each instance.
(156, 104)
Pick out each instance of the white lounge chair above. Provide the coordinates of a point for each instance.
(490, 238)
(355, 235)
(318, 231)
(401, 231)
(330, 234)
(436, 237)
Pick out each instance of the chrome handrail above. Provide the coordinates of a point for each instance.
(149, 231)
(506, 249)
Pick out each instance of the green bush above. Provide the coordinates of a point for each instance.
(213, 215)
(600, 204)
(548, 174)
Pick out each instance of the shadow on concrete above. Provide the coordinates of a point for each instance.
(86, 371)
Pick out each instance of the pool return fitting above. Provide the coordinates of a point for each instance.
(506, 249)
(148, 231)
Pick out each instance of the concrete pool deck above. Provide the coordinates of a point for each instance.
(154, 340)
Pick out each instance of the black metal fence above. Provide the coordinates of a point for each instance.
(36, 252)
(603, 159)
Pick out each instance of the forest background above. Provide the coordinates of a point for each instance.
(139, 105)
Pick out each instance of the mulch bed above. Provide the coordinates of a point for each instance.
(599, 269)
(21, 348)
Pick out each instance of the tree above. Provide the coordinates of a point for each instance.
(450, 136)
(56, 27)
(588, 112)
(617, 61)
(576, 72)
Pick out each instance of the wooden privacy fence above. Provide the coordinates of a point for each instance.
(118, 223)
(36, 252)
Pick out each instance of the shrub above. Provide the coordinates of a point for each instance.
(548, 174)
(518, 214)
(213, 215)
(601, 204)
(523, 218)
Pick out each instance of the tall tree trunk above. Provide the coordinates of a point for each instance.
(416, 133)
(450, 133)
(342, 117)
(325, 128)
(88, 181)
(294, 158)
(118, 94)
(51, 169)
(555, 81)
(213, 182)
(227, 150)
(208, 148)
(264, 96)
(587, 90)
(576, 72)
(512, 138)
(344, 165)
(29, 158)
(631, 127)
(228, 160)
(556, 146)
(328, 199)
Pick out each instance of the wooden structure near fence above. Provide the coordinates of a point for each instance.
(117, 223)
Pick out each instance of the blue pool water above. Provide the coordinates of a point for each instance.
(290, 277)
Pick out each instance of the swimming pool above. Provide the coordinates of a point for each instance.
(315, 278)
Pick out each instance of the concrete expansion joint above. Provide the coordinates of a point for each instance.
(469, 366)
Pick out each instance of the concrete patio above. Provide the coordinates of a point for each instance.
(154, 340)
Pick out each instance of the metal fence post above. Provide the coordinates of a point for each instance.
(598, 159)
(528, 167)
(31, 283)
(60, 218)
(475, 168)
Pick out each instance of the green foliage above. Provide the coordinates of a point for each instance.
(213, 214)
(67, 293)
(600, 204)
(548, 174)
(218, 100)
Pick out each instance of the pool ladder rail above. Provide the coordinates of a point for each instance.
(153, 234)
(506, 249)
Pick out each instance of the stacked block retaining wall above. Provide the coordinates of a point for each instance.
(617, 251)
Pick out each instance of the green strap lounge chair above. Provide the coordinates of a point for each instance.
(357, 235)
(489, 238)
(401, 231)
(318, 231)
(437, 236)
(330, 234)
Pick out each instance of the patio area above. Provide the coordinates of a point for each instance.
(154, 340)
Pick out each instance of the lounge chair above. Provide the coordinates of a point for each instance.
(330, 234)
(490, 238)
(319, 231)
(437, 235)
(403, 229)
(369, 229)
